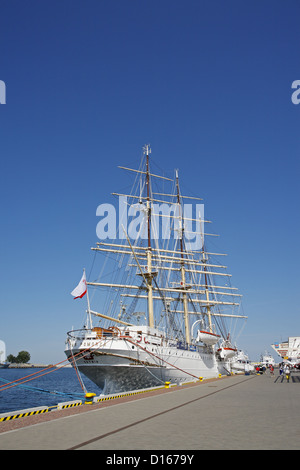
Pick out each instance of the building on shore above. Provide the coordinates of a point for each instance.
(289, 350)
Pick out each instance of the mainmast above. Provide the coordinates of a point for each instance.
(182, 269)
(149, 275)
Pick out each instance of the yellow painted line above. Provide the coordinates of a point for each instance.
(21, 415)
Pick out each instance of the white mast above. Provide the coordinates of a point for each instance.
(182, 269)
(149, 274)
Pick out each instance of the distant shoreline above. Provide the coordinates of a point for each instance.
(33, 366)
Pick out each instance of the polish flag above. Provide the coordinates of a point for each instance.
(81, 289)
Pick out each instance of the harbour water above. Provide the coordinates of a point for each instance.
(53, 388)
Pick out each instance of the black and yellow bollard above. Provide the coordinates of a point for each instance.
(89, 398)
(167, 384)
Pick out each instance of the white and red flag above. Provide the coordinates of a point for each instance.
(81, 289)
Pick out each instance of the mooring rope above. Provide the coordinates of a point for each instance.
(42, 390)
(36, 375)
(77, 371)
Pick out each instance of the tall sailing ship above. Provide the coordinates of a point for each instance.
(166, 308)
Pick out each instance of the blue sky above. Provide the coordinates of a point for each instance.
(88, 83)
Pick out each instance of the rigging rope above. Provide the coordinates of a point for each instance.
(151, 353)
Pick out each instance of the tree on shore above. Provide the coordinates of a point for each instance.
(22, 357)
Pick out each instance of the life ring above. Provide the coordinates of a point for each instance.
(145, 340)
(139, 339)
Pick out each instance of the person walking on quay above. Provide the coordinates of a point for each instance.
(287, 371)
(271, 369)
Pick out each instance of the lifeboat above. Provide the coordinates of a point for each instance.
(207, 338)
(227, 352)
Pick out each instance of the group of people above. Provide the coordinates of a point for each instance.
(284, 369)
(261, 369)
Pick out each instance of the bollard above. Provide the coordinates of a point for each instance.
(167, 384)
(200, 378)
(89, 398)
(220, 375)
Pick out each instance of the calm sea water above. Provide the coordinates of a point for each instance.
(60, 381)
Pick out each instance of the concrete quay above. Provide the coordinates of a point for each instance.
(230, 413)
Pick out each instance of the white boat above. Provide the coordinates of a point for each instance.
(207, 337)
(227, 351)
(267, 359)
(240, 363)
(153, 291)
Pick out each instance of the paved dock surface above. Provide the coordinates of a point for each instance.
(232, 413)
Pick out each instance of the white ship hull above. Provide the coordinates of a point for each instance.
(117, 364)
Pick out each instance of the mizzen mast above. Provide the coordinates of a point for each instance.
(182, 269)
